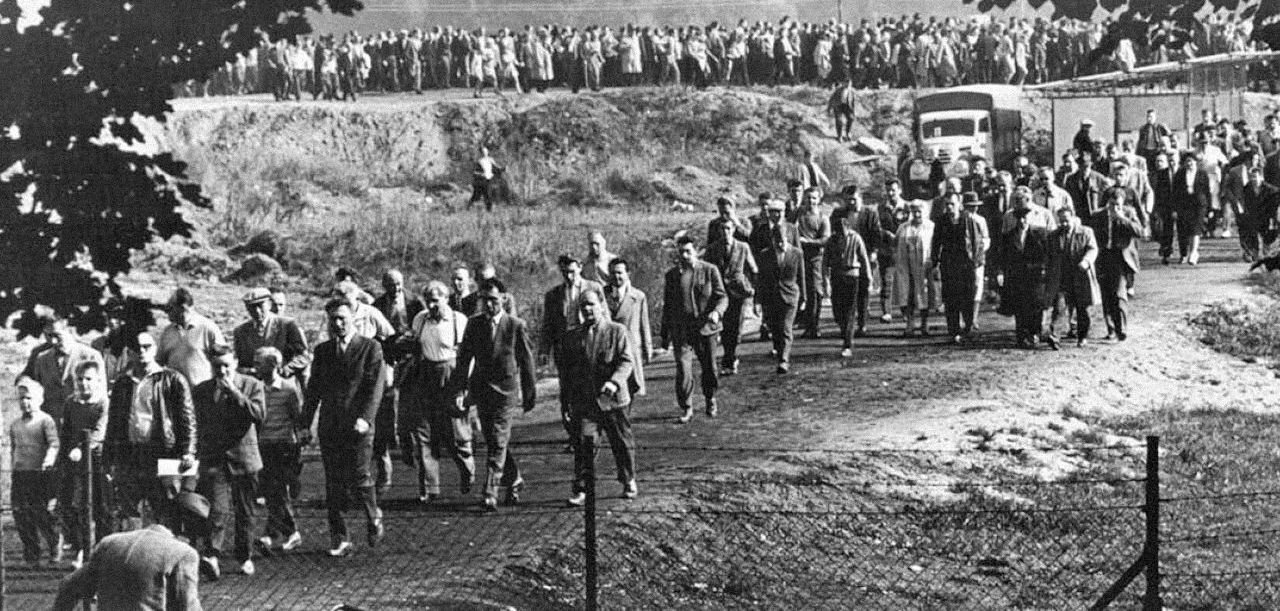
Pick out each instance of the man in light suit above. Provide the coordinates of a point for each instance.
(559, 316)
(629, 307)
(694, 301)
(495, 372)
(229, 408)
(346, 389)
(267, 329)
(139, 569)
(1072, 277)
(599, 388)
(737, 269)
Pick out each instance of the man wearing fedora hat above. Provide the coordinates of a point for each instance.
(972, 203)
(267, 329)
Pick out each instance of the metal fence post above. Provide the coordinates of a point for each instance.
(588, 445)
(86, 453)
(1151, 550)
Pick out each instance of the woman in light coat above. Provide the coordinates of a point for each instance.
(912, 290)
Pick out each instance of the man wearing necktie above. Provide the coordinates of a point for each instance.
(1116, 227)
(346, 388)
(559, 316)
(495, 372)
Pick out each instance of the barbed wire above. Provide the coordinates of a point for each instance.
(1226, 535)
(1219, 496)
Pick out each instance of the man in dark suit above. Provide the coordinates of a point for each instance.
(495, 372)
(138, 569)
(599, 357)
(1085, 187)
(346, 385)
(694, 301)
(399, 308)
(1256, 215)
(229, 407)
(727, 211)
(1071, 278)
(780, 287)
(737, 269)
(559, 316)
(1024, 255)
(1116, 227)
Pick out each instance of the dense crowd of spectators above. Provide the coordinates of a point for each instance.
(911, 51)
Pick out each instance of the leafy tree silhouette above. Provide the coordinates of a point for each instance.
(79, 190)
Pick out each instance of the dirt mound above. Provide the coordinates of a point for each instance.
(693, 185)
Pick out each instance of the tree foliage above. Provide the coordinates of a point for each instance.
(73, 205)
(1139, 20)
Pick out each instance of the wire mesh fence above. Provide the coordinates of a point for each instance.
(848, 538)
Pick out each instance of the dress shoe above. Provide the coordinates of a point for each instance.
(293, 542)
(685, 416)
(248, 569)
(784, 368)
(846, 353)
(209, 567)
(513, 493)
(376, 532)
(629, 490)
(1053, 343)
(712, 408)
(956, 339)
(886, 318)
(1121, 336)
(577, 500)
(489, 505)
(1182, 260)
(1080, 343)
(340, 549)
(264, 544)
(77, 560)
(1164, 260)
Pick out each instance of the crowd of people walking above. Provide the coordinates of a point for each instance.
(904, 52)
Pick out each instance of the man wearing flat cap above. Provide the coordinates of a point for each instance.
(267, 329)
(560, 315)
(972, 203)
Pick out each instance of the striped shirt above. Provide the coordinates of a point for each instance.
(284, 406)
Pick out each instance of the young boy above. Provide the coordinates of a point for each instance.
(34, 440)
(84, 415)
(281, 453)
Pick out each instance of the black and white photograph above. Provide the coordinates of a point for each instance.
(362, 305)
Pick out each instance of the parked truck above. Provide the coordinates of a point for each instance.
(957, 124)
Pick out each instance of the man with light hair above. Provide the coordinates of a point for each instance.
(432, 424)
(278, 445)
(365, 319)
(33, 441)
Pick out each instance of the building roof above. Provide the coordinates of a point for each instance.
(1176, 75)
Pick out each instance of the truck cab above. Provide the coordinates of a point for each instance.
(957, 124)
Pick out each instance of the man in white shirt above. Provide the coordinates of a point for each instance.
(432, 423)
(596, 267)
(183, 344)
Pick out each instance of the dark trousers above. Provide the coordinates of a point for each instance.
(959, 315)
(31, 493)
(229, 494)
(1028, 321)
(1064, 304)
(73, 503)
(1115, 296)
(432, 430)
(501, 467)
(849, 304)
(616, 425)
(347, 481)
(1166, 221)
(732, 333)
(134, 481)
(812, 290)
(481, 188)
(384, 436)
(281, 463)
(781, 318)
(691, 344)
